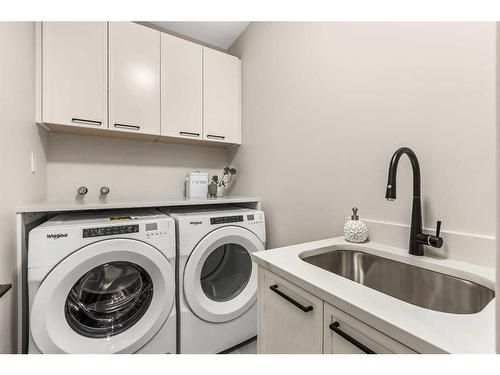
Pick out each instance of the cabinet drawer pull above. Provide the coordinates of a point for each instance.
(4, 289)
(275, 289)
(335, 328)
(131, 127)
(189, 134)
(215, 136)
(87, 122)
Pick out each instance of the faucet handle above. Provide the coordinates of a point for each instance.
(438, 228)
(436, 241)
(429, 239)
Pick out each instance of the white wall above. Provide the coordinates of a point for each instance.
(326, 104)
(498, 184)
(130, 168)
(19, 138)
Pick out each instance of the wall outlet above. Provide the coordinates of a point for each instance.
(33, 163)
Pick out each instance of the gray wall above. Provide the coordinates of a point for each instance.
(130, 168)
(498, 184)
(326, 104)
(20, 136)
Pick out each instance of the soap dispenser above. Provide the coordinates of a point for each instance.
(355, 230)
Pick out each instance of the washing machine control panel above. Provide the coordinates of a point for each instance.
(110, 231)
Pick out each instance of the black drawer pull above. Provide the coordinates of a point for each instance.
(335, 328)
(189, 134)
(275, 289)
(131, 127)
(4, 288)
(87, 122)
(215, 136)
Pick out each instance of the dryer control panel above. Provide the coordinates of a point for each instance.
(251, 218)
(226, 219)
(110, 231)
(255, 218)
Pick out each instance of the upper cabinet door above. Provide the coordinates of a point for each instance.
(74, 73)
(221, 97)
(181, 88)
(134, 78)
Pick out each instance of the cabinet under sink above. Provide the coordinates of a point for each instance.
(294, 321)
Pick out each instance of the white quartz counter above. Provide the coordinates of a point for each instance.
(110, 203)
(423, 330)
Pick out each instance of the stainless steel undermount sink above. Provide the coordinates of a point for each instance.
(418, 286)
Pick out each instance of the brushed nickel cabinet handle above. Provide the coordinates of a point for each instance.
(130, 127)
(189, 134)
(215, 136)
(86, 122)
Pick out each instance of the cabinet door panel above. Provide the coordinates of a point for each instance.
(283, 326)
(74, 73)
(356, 337)
(221, 97)
(181, 93)
(134, 78)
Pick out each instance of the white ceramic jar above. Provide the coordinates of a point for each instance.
(355, 230)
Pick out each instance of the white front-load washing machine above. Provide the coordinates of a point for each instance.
(216, 277)
(102, 283)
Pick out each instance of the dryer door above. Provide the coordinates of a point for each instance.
(111, 296)
(220, 279)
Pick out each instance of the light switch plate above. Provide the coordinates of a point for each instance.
(33, 163)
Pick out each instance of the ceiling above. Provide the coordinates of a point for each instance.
(218, 34)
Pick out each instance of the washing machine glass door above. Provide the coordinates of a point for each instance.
(108, 297)
(220, 279)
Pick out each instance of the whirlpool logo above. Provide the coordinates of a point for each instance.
(56, 236)
(195, 222)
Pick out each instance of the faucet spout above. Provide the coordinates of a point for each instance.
(416, 246)
(390, 193)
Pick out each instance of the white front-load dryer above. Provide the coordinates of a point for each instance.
(217, 278)
(102, 283)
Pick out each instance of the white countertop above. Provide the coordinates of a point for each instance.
(423, 330)
(110, 203)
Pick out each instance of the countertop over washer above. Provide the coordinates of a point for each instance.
(118, 203)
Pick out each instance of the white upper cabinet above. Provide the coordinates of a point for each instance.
(134, 78)
(74, 73)
(221, 97)
(181, 88)
(112, 78)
